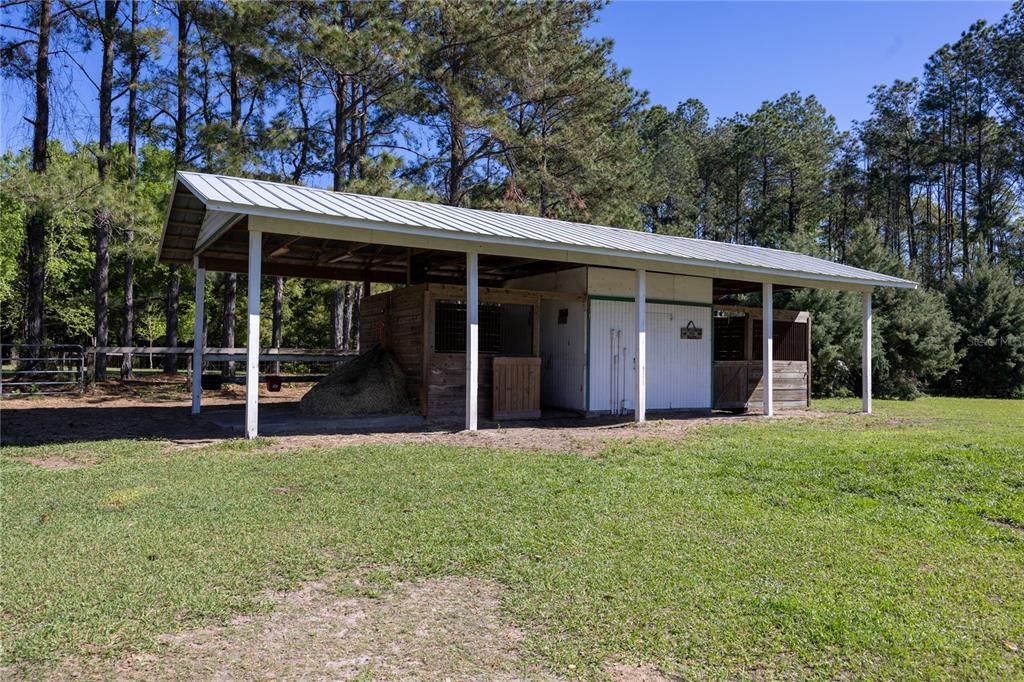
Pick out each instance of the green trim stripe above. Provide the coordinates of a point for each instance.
(586, 406)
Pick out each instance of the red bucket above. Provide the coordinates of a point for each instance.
(274, 384)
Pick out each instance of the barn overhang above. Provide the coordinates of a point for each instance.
(240, 225)
(334, 235)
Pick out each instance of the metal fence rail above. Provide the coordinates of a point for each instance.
(49, 369)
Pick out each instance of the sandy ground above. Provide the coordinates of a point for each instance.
(447, 628)
(158, 409)
(440, 629)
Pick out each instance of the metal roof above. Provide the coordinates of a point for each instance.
(234, 195)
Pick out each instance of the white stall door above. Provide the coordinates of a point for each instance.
(678, 366)
(678, 369)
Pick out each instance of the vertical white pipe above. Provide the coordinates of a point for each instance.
(640, 414)
(767, 348)
(472, 339)
(866, 355)
(252, 348)
(197, 336)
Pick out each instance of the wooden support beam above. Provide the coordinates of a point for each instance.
(640, 410)
(807, 331)
(767, 347)
(252, 363)
(865, 360)
(197, 337)
(284, 248)
(337, 257)
(272, 269)
(472, 339)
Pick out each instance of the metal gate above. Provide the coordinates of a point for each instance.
(55, 369)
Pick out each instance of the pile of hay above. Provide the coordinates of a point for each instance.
(372, 383)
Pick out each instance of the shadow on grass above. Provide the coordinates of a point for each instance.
(75, 422)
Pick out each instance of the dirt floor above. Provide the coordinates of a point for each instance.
(158, 409)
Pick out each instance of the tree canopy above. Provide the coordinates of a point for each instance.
(510, 106)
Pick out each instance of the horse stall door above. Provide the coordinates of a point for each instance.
(678, 357)
(612, 356)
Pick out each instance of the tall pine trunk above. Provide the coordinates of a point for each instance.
(276, 321)
(338, 164)
(346, 326)
(35, 224)
(230, 279)
(230, 299)
(337, 316)
(180, 131)
(103, 218)
(128, 323)
(457, 156)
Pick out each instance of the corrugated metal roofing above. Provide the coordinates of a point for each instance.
(241, 195)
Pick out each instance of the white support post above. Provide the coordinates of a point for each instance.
(252, 347)
(472, 338)
(866, 355)
(640, 413)
(767, 348)
(197, 336)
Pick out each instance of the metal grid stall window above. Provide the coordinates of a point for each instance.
(790, 341)
(450, 327)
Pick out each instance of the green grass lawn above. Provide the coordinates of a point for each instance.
(885, 547)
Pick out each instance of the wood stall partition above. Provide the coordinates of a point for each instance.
(404, 321)
(738, 379)
(394, 319)
(516, 388)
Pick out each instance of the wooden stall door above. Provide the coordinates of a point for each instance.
(731, 390)
(516, 388)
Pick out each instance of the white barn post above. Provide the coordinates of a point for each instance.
(472, 339)
(252, 348)
(865, 360)
(640, 413)
(767, 348)
(197, 336)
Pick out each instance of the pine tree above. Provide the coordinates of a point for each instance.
(989, 309)
(573, 151)
(914, 336)
(20, 63)
(463, 80)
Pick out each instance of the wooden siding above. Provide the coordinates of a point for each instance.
(403, 319)
(738, 384)
(738, 380)
(516, 392)
(395, 320)
(445, 373)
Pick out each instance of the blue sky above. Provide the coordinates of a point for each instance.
(734, 55)
(730, 55)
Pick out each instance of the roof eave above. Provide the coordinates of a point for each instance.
(808, 279)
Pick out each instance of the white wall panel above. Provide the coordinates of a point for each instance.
(678, 370)
(573, 281)
(660, 286)
(612, 356)
(563, 354)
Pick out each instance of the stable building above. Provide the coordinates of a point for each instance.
(503, 315)
(567, 340)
